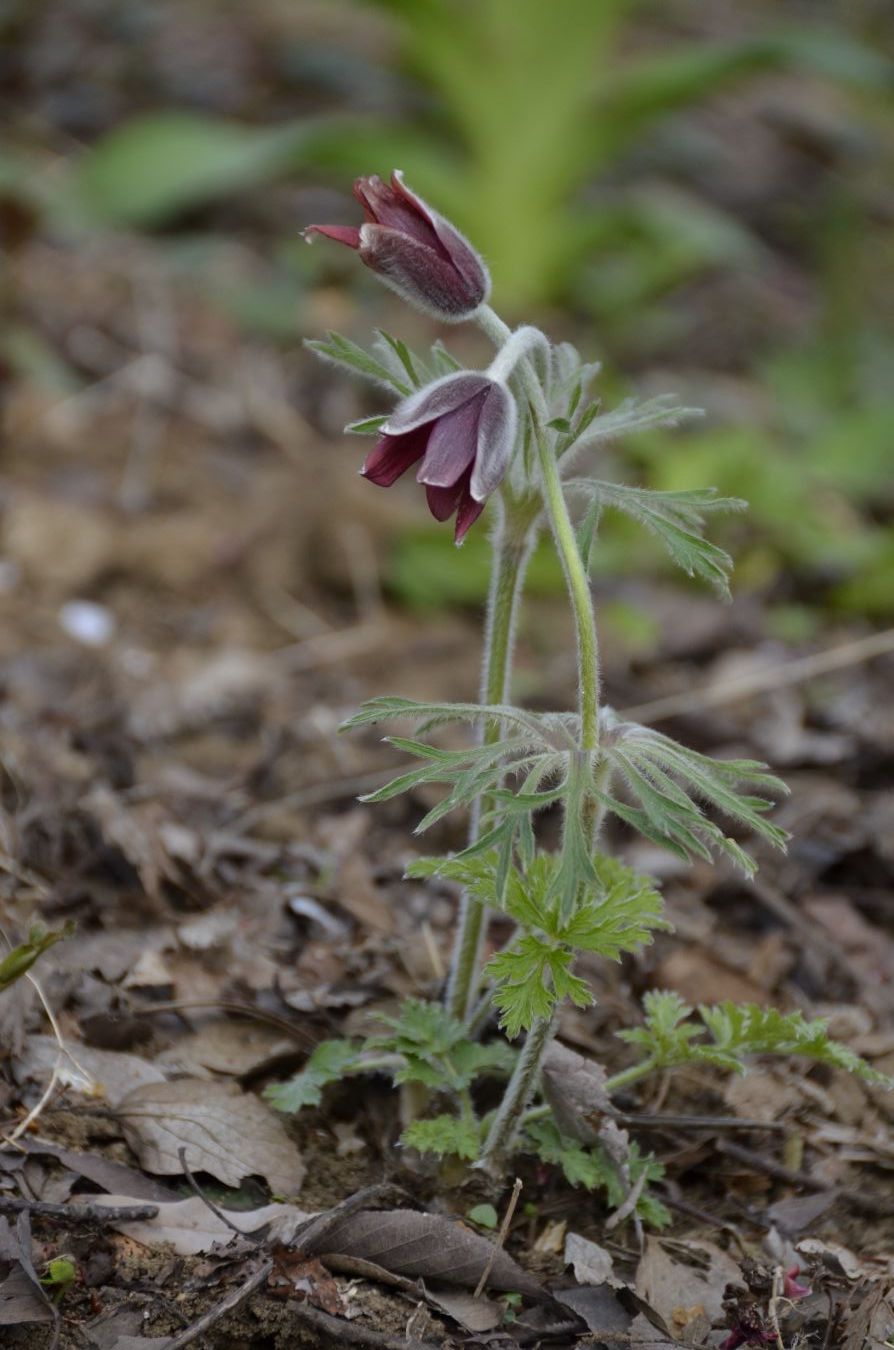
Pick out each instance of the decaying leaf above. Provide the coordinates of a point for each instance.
(426, 1245)
(110, 1074)
(190, 1228)
(22, 1298)
(688, 1298)
(229, 1133)
(591, 1263)
(575, 1089)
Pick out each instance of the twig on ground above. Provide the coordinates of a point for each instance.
(867, 1204)
(238, 1295)
(77, 1213)
(350, 1333)
(215, 1210)
(500, 1239)
(766, 679)
(629, 1205)
(670, 1122)
(237, 1009)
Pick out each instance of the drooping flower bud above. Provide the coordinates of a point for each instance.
(462, 427)
(414, 250)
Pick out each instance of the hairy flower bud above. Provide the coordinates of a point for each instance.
(414, 250)
(462, 427)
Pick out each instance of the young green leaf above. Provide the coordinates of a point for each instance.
(330, 1061)
(530, 977)
(341, 351)
(445, 1134)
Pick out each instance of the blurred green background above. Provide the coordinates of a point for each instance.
(699, 194)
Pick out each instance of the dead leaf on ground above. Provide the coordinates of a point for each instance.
(590, 1263)
(229, 1133)
(190, 1228)
(295, 1275)
(227, 1047)
(574, 1086)
(688, 1298)
(113, 1074)
(111, 1176)
(426, 1245)
(22, 1298)
(598, 1307)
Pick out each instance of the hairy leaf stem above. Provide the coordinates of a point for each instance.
(519, 1091)
(524, 1078)
(513, 540)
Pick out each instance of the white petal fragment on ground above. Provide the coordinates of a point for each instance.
(190, 1228)
(229, 1133)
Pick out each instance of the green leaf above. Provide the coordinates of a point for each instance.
(436, 1049)
(367, 426)
(445, 1134)
(330, 1061)
(676, 518)
(748, 1029)
(484, 1215)
(530, 977)
(347, 355)
(20, 960)
(620, 917)
(591, 1167)
(156, 166)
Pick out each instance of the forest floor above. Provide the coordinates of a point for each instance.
(173, 785)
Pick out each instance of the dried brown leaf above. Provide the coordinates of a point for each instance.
(229, 1133)
(190, 1228)
(426, 1245)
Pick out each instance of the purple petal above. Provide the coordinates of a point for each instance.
(435, 400)
(393, 455)
(451, 445)
(443, 501)
(383, 206)
(342, 234)
(496, 437)
(467, 513)
(454, 246)
(418, 272)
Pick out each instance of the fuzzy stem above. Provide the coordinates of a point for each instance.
(631, 1075)
(519, 1091)
(512, 543)
(524, 1078)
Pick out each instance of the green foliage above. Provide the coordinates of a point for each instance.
(671, 785)
(436, 1050)
(615, 911)
(530, 977)
(330, 1061)
(445, 1134)
(736, 1031)
(589, 1166)
(20, 960)
(485, 1216)
(676, 518)
(157, 166)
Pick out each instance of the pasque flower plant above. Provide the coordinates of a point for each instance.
(517, 438)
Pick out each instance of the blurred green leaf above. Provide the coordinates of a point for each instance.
(156, 166)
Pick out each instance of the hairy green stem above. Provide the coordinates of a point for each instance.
(519, 1091)
(525, 1076)
(512, 543)
(631, 1075)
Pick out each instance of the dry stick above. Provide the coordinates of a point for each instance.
(42, 1209)
(239, 1295)
(768, 678)
(867, 1204)
(500, 1239)
(349, 1333)
(218, 1213)
(726, 691)
(238, 1009)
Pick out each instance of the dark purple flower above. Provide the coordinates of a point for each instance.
(462, 427)
(414, 250)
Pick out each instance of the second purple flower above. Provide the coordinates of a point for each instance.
(462, 428)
